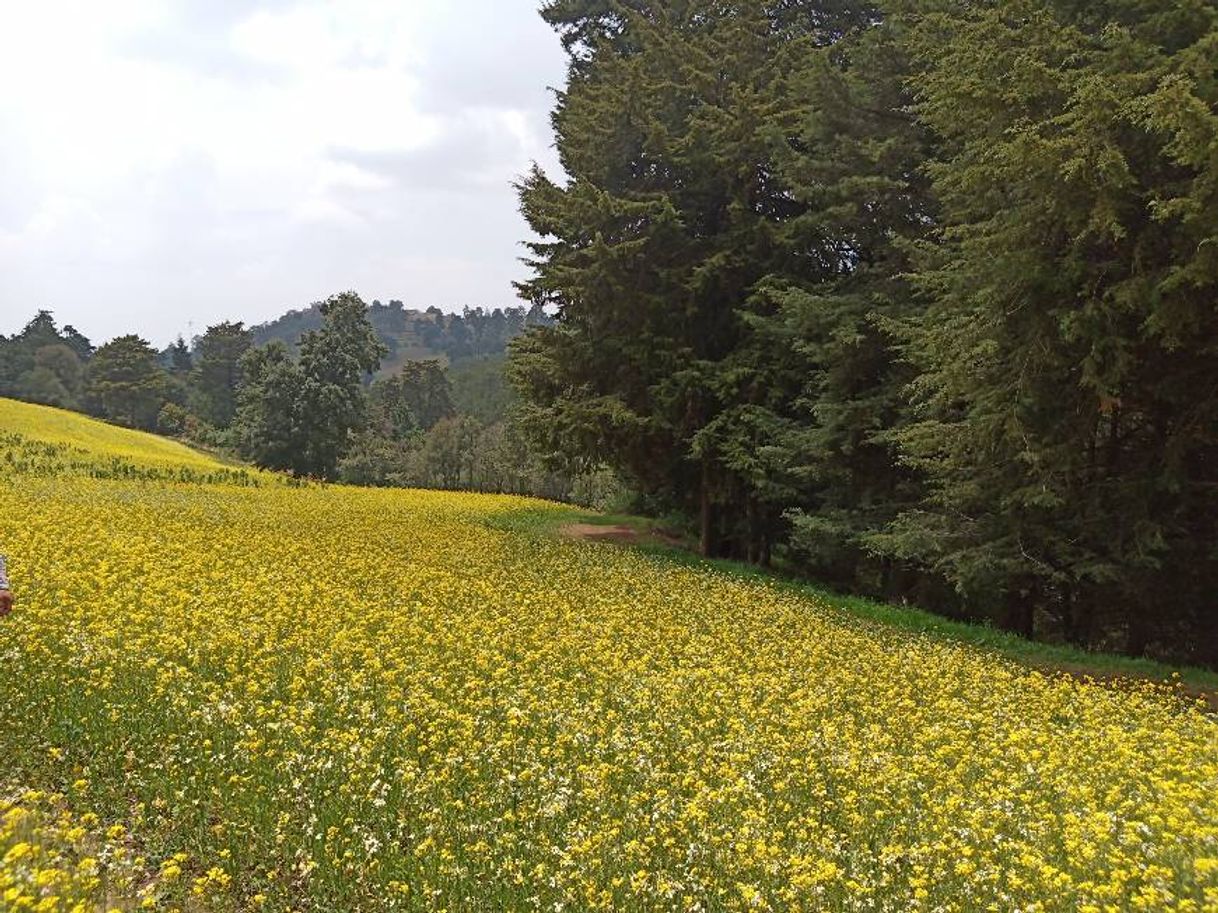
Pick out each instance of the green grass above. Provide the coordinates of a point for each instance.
(1047, 656)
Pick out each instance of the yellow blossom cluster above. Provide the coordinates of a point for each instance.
(52, 862)
(335, 699)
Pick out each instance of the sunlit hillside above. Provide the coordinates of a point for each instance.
(97, 439)
(222, 696)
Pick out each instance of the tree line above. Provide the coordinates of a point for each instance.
(917, 296)
(180, 390)
(316, 408)
(472, 333)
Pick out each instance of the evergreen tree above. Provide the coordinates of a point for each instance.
(415, 398)
(77, 342)
(857, 169)
(40, 331)
(126, 383)
(216, 372)
(1068, 385)
(180, 361)
(671, 128)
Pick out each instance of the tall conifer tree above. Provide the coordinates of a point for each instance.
(1068, 386)
(669, 129)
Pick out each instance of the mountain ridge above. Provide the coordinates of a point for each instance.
(417, 335)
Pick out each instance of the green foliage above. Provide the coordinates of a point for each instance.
(301, 416)
(175, 420)
(410, 335)
(920, 293)
(269, 429)
(376, 459)
(178, 359)
(56, 379)
(417, 397)
(334, 362)
(126, 383)
(172, 420)
(43, 364)
(215, 371)
(696, 210)
(480, 388)
(856, 170)
(1067, 409)
(450, 451)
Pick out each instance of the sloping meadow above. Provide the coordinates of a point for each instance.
(229, 696)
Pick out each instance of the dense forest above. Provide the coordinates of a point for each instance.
(919, 296)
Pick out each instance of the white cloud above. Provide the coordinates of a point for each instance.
(172, 162)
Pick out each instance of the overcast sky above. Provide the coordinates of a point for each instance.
(166, 165)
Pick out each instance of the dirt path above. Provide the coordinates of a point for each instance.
(590, 532)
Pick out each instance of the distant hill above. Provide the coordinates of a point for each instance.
(412, 335)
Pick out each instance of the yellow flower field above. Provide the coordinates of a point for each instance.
(229, 694)
(103, 442)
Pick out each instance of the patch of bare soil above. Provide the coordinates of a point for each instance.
(590, 532)
(623, 535)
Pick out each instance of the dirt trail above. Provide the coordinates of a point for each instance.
(590, 532)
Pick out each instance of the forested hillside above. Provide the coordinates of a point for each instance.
(919, 295)
(410, 335)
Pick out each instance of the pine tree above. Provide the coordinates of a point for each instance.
(180, 359)
(1068, 387)
(126, 383)
(415, 398)
(216, 372)
(832, 376)
(670, 128)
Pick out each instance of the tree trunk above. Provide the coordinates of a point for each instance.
(1139, 632)
(886, 575)
(1069, 619)
(1085, 610)
(1021, 615)
(754, 537)
(707, 545)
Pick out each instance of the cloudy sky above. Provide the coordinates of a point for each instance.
(165, 164)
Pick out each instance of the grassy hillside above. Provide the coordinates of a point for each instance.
(219, 697)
